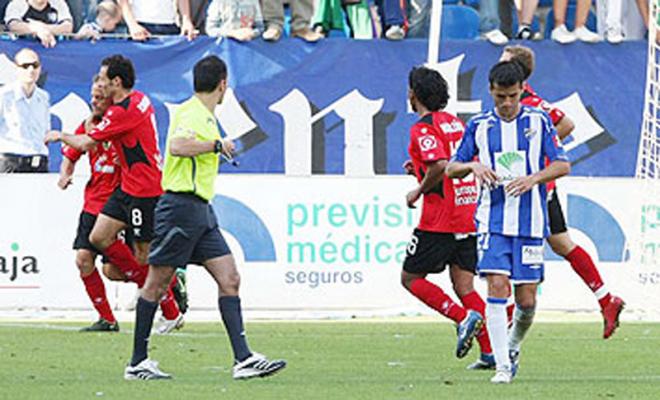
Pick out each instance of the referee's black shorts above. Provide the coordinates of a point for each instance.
(186, 232)
(556, 214)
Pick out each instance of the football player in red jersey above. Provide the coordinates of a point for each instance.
(130, 124)
(103, 181)
(560, 241)
(445, 234)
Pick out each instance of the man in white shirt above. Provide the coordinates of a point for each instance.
(42, 18)
(24, 118)
(157, 17)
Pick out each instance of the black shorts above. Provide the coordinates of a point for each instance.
(136, 212)
(556, 215)
(431, 252)
(186, 232)
(85, 224)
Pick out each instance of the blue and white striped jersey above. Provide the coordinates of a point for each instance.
(512, 149)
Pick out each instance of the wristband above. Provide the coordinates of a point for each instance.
(217, 146)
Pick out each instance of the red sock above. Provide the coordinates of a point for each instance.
(510, 308)
(168, 305)
(584, 266)
(96, 292)
(139, 275)
(121, 255)
(472, 301)
(438, 300)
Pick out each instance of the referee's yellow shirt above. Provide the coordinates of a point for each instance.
(192, 174)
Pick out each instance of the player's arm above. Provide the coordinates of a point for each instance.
(564, 127)
(463, 164)
(432, 177)
(78, 142)
(555, 170)
(66, 173)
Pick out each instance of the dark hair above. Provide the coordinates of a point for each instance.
(524, 56)
(208, 73)
(122, 67)
(506, 74)
(429, 87)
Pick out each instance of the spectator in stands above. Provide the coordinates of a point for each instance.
(526, 17)
(157, 17)
(391, 18)
(108, 15)
(419, 18)
(561, 34)
(198, 14)
(332, 14)
(42, 18)
(301, 15)
(24, 118)
(77, 11)
(489, 22)
(236, 19)
(3, 7)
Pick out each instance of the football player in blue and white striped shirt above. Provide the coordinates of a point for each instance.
(511, 142)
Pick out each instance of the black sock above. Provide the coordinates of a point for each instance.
(144, 320)
(230, 309)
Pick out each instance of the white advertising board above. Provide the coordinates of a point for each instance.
(320, 246)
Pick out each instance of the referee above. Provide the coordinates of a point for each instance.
(186, 228)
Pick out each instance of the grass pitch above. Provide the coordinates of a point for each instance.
(329, 360)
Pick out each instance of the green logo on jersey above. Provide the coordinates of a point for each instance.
(508, 159)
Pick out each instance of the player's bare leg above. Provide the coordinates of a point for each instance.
(247, 364)
(96, 291)
(463, 283)
(498, 292)
(469, 322)
(113, 273)
(611, 306)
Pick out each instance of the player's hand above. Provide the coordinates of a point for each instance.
(484, 175)
(520, 185)
(408, 167)
(65, 181)
(413, 196)
(188, 30)
(139, 32)
(52, 137)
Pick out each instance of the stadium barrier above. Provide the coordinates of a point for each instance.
(299, 108)
(320, 246)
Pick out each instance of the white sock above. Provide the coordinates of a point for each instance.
(522, 321)
(496, 323)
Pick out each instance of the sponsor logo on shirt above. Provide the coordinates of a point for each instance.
(427, 142)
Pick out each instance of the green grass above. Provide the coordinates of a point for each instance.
(342, 360)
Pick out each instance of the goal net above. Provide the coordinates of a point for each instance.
(644, 246)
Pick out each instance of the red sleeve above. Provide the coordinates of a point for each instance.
(116, 122)
(426, 139)
(71, 153)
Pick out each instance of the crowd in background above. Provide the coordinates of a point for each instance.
(312, 20)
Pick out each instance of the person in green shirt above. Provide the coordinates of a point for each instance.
(186, 228)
